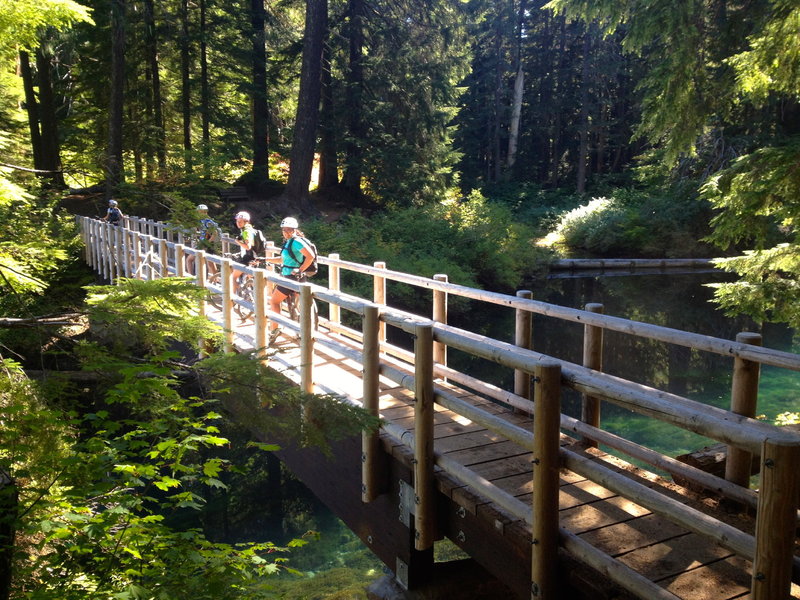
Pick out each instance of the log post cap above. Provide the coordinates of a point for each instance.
(524, 294)
(595, 307)
(749, 337)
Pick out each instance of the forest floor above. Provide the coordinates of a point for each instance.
(265, 210)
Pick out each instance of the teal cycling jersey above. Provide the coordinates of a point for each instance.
(288, 257)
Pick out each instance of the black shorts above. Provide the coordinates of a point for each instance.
(246, 259)
(288, 291)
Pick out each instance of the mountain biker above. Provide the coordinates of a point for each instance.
(113, 214)
(207, 238)
(246, 240)
(294, 245)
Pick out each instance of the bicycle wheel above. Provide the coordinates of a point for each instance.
(214, 297)
(246, 293)
(293, 304)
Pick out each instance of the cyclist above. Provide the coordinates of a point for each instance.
(113, 214)
(294, 248)
(207, 238)
(246, 240)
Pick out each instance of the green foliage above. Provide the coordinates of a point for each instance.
(36, 241)
(473, 241)
(21, 21)
(103, 488)
(634, 224)
(97, 515)
(767, 288)
(149, 315)
(757, 203)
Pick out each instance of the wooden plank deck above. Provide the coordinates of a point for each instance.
(683, 562)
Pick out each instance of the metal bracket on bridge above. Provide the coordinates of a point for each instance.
(401, 574)
(408, 503)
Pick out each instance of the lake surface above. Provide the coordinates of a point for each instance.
(679, 301)
(339, 566)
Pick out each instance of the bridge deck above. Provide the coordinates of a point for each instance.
(686, 564)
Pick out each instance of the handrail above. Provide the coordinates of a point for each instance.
(111, 252)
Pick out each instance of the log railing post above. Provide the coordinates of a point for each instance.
(546, 466)
(261, 321)
(137, 255)
(200, 276)
(379, 297)
(440, 316)
(744, 401)
(424, 526)
(776, 521)
(106, 252)
(306, 339)
(91, 242)
(180, 258)
(523, 337)
(370, 440)
(163, 257)
(593, 359)
(226, 278)
(127, 242)
(113, 265)
(335, 285)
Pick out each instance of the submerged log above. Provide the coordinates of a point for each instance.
(630, 263)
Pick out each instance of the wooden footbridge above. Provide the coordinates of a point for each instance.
(524, 490)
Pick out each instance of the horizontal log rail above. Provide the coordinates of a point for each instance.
(149, 249)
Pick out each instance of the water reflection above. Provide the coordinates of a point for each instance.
(675, 300)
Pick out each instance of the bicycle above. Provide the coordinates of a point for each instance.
(243, 287)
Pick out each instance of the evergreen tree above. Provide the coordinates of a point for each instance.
(714, 79)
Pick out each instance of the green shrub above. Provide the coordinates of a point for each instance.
(634, 223)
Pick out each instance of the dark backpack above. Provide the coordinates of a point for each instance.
(259, 243)
(311, 270)
(114, 215)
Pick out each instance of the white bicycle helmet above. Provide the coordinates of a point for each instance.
(202, 207)
(290, 222)
(112, 202)
(243, 215)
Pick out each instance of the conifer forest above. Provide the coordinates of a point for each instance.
(511, 131)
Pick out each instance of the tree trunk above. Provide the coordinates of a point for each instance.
(498, 96)
(9, 507)
(305, 130)
(186, 104)
(114, 171)
(151, 48)
(328, 162)
(556, 133)
(260, 107)
(355, 90)
(519, 86)
(32, 108)
(51, 155)
(205, 94)
(583, 146)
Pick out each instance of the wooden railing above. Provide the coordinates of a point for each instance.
(148, 249)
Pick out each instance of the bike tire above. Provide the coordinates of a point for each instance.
(215, 298)
(247, 293)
